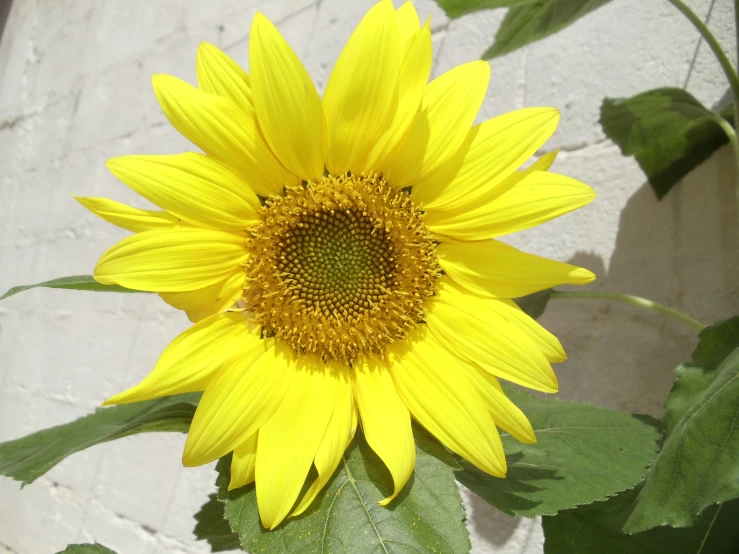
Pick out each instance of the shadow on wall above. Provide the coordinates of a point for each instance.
(4, 12)
(683, 252)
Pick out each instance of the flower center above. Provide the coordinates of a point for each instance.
(336, 261)
(340, 268)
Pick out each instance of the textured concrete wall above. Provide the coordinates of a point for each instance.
(75, 90)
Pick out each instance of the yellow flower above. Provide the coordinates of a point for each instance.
(337, 256)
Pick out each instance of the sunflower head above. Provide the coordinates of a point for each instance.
(340, 267)
(337, 256)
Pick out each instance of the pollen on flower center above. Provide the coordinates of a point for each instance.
(341, 267)
(337, 261)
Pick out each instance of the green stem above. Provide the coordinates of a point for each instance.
(731, 133)
(705, 32)
(633, 300)
(736, 96)
(736, 34)
(710, 527)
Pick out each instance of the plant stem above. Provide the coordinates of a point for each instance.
(736, 99)
(635, 301)
(705, 32)
(730, 72)
(731, 134)
(710, 526)
(736, 35)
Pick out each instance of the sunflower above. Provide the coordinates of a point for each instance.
(337, 257)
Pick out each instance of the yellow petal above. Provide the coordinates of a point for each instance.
(286, 102)
(172, 260)
(448, 109)
(500, 146)
(225, 130)
(288, 442)
(210, 300)
(242, 463)
(414, 74)
(385, 420)
(449, 170)
(191, 360)
(535, 199)
(361, 97)
(237, 403)
(544, 162)
(433, 386)
(408, 25)
(355, 422)
(192, 187)
(219, 74)
(481, 336)
(495, 269)
(508, 310)
(338, 435)
(127, 217)
(544, 340)
(506, 414)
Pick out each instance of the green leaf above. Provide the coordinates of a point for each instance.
(584, 453)
(667, 130)
(427, 516)
(534, 304)
(697, 465)
(86, 549)
(597, 528)
(527, 22)
(213, 527)
(28, 458)
(458, 8)
(76, 282)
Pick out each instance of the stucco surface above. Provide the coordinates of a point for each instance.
(75, 90)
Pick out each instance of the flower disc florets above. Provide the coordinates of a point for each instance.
(341, 267)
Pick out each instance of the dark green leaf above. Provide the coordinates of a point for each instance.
(427, 516)
(86, 549)
(458, 8)
(28, 458)
(584, 453)
(213, 527)
(534, 304)
(597, 528)
(531, 21)
(76, 282)
(697, 465)
(667, 130)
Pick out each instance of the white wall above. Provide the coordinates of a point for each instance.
(75, 90)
